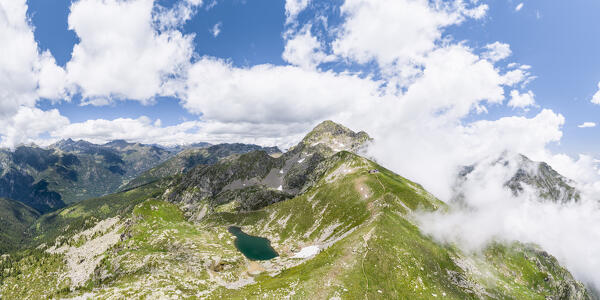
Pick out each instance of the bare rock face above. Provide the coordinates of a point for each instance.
(83, 259)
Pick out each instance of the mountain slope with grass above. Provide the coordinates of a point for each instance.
(343, 228)
(15, 218)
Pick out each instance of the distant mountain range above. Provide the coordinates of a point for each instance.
(193, 156)
(69, 171)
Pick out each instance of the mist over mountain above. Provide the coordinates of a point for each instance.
(512, 198)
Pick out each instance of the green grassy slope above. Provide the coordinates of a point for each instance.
(36, 273)
(83, 215)
(15, 218)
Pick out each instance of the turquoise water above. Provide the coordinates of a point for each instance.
(253, 247)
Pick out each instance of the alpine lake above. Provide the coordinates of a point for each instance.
(253, 247)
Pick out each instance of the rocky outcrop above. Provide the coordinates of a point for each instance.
(88, 250)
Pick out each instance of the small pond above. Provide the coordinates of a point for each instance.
(253, 247)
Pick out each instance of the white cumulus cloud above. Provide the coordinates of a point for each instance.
(216, 29)
(396, 31)
(497, 51)
(519, 6)
(596, 97)
(28, 124)
(521, 100)
(181, 12)
(587, 125)
(26, 74)
(270, 94)
(121, 55)
(293, 8)
(305, 50)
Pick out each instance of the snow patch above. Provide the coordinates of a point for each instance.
(307, 252)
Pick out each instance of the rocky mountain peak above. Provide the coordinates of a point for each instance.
(548, 183)
(333, 137)
(69, 145)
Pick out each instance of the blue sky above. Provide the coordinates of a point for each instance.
(561, 48)
(556, 38)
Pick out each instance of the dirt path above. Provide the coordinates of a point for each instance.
(365, 274)
(366, 240)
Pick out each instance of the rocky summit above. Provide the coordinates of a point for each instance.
(547, 184)
(335, 225)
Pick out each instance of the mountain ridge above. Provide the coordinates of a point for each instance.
(189, 158)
